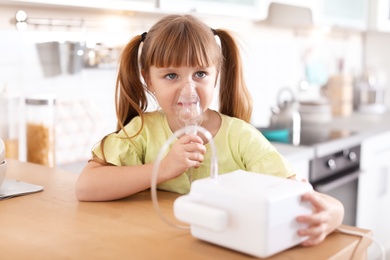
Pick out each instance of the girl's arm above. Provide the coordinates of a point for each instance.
(101, 182)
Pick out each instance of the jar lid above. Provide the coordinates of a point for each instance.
(41, 100)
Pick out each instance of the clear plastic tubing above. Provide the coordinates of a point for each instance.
(213, 165)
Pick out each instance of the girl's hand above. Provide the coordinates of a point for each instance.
(319, 223)
(187, 152)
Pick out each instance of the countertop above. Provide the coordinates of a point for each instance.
(361, 125)
(53, 224)
(292, 153)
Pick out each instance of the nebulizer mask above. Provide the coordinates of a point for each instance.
(249, 212)
(187, 107)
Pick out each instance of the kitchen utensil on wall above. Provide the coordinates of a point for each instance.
(72, 57)
(40, 113)
(286, 114)
(49, 57)
(59, 58)
(9, 122)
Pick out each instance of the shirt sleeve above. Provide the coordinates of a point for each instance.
(272, 163)
(261, 156)
(118, 151)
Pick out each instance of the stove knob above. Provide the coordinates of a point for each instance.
(352, 156)
(331, 163)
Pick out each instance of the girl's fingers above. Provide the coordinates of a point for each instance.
(315, 199)
(190, 138)
(195, 157)
(196, 148)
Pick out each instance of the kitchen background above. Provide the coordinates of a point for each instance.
(71, 49)
(331, 54)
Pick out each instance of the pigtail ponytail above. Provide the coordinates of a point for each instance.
(234, 97)
(130, 96)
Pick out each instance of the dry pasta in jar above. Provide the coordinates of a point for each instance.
(40, 116)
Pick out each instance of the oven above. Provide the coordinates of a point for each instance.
(337, 174)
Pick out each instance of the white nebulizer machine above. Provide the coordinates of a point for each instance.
(248, 212)
(244, 211)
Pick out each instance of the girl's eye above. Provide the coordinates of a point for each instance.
(200, 74)
(171, 76)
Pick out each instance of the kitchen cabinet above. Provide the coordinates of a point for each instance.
(374, 189)
(342, 14)
(379, 15)
(252, 9)
(311, 4)
(347, 14)
(126, 5)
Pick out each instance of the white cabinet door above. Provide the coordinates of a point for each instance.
(352, 14)
(379, 15)
(299, 3)
(374, 190)
(131, 5)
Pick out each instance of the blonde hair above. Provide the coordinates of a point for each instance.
(180, 40)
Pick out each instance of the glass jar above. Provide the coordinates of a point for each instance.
(9, 123)
(40, 117)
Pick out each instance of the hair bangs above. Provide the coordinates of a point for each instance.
(185, 46)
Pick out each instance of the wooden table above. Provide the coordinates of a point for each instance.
(53, 224)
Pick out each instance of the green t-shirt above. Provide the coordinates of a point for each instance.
(238, 145)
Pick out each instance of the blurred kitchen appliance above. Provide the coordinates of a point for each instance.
(315, 112)
(316, 116)
(369, 96)
(9, 122)
(339, 90)
(286, 115)
(337, 174)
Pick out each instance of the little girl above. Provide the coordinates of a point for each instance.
(183, 50)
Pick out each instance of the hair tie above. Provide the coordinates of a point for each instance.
(214, 31)
(143, 36)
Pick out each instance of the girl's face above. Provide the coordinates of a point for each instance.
(166, 83)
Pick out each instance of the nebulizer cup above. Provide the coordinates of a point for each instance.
(187, 107)
(188, 111)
